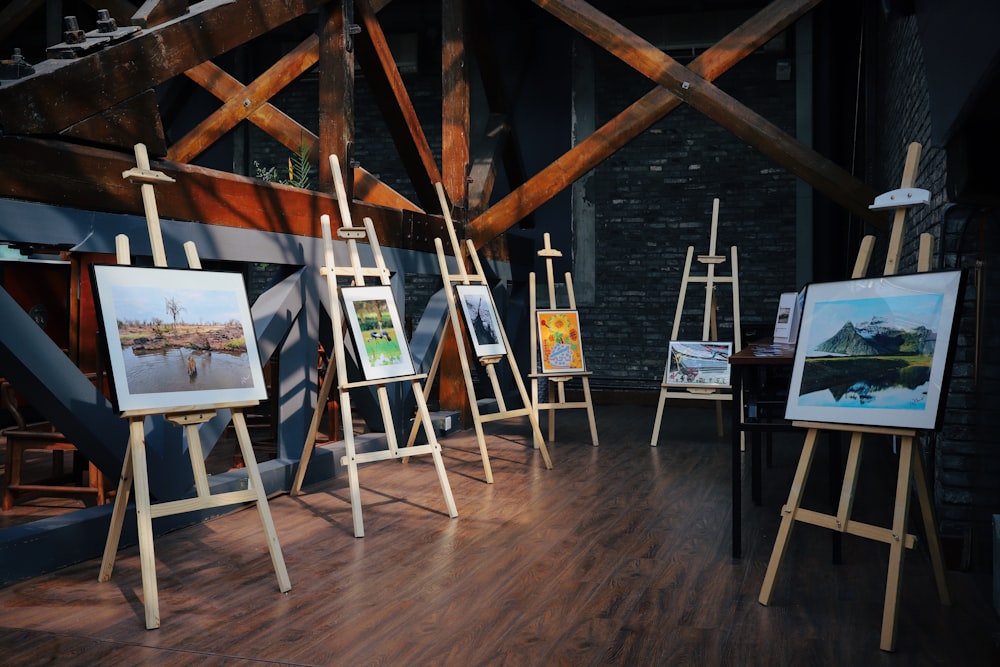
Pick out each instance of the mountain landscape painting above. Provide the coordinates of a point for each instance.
(878, 352)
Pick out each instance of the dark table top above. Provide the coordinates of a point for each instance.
(764, 352)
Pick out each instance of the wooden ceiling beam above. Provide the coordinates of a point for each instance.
(455, 114)
(267, 117)
(247, 101)
(394, 101)
(63, 92)
(336, 94)
(695, 90)
(633, 121)
(82, 177)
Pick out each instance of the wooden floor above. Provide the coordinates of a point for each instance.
(619, 555)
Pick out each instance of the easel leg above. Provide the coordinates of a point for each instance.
(930, 527)
(897, 548)
(590, 410)
(256, 484)
(310, 444)
(788, 518)
(560, 388)
(436, 452)
(659, 417)
(117, 518)
(352, 464)
(144, 519)
(481, 439)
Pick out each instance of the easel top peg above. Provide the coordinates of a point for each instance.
(138, 175)
(352, 233)
(901, 197)
(548, 250)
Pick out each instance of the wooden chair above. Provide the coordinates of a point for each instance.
(42, 436)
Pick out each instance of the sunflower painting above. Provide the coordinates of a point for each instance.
(559, 341)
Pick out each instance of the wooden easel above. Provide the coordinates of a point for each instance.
(709, 327)
(134, 470)
(911, 466)
(558, 382)
(358, 274)
(464, 277)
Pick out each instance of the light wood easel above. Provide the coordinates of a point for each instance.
(911, 466)
(464, 277)
(556, 381)
(134, 468)
(709, 327)
(352, 458)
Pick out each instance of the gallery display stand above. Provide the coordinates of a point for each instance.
(709, 327)
(358, 275)
(134, 469)
(489, 362)
(911, 467)
(556, 381)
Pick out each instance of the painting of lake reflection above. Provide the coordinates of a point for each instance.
(177, 339)
(874, 351)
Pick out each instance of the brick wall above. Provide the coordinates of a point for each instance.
(654, 198)
(966, 462)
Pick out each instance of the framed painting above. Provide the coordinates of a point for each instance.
(377, 332)
(177, 338)
(559, 341)
(698, 364)
(481, 320)
(874, 351)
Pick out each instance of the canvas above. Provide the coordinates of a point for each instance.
(177, 338)
(559, 341)
(481, 320)
(874, 351)
(377, 332)
(698, 364)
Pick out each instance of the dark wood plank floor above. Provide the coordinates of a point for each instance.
(620, 555)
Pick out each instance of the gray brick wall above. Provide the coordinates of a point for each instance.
(654, 199)
(966, 462)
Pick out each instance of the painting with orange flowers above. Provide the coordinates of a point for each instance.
(559, 341)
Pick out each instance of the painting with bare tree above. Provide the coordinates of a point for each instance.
(177, 338)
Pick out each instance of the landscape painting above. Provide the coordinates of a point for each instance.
(177, 338)
(481, 320)
(874, 351)
(377, 332)
(559, 341)
(698, 364)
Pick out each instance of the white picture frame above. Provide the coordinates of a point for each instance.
(377, 331)
(874, 351)
(177, 338)
(481, 320)
(703, 364)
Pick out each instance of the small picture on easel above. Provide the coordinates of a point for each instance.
(177, 338)
(481, 320)
(559, 341)
(377, 332)
(698, 364)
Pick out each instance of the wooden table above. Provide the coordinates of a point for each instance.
(762, 356)
(750, 398)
